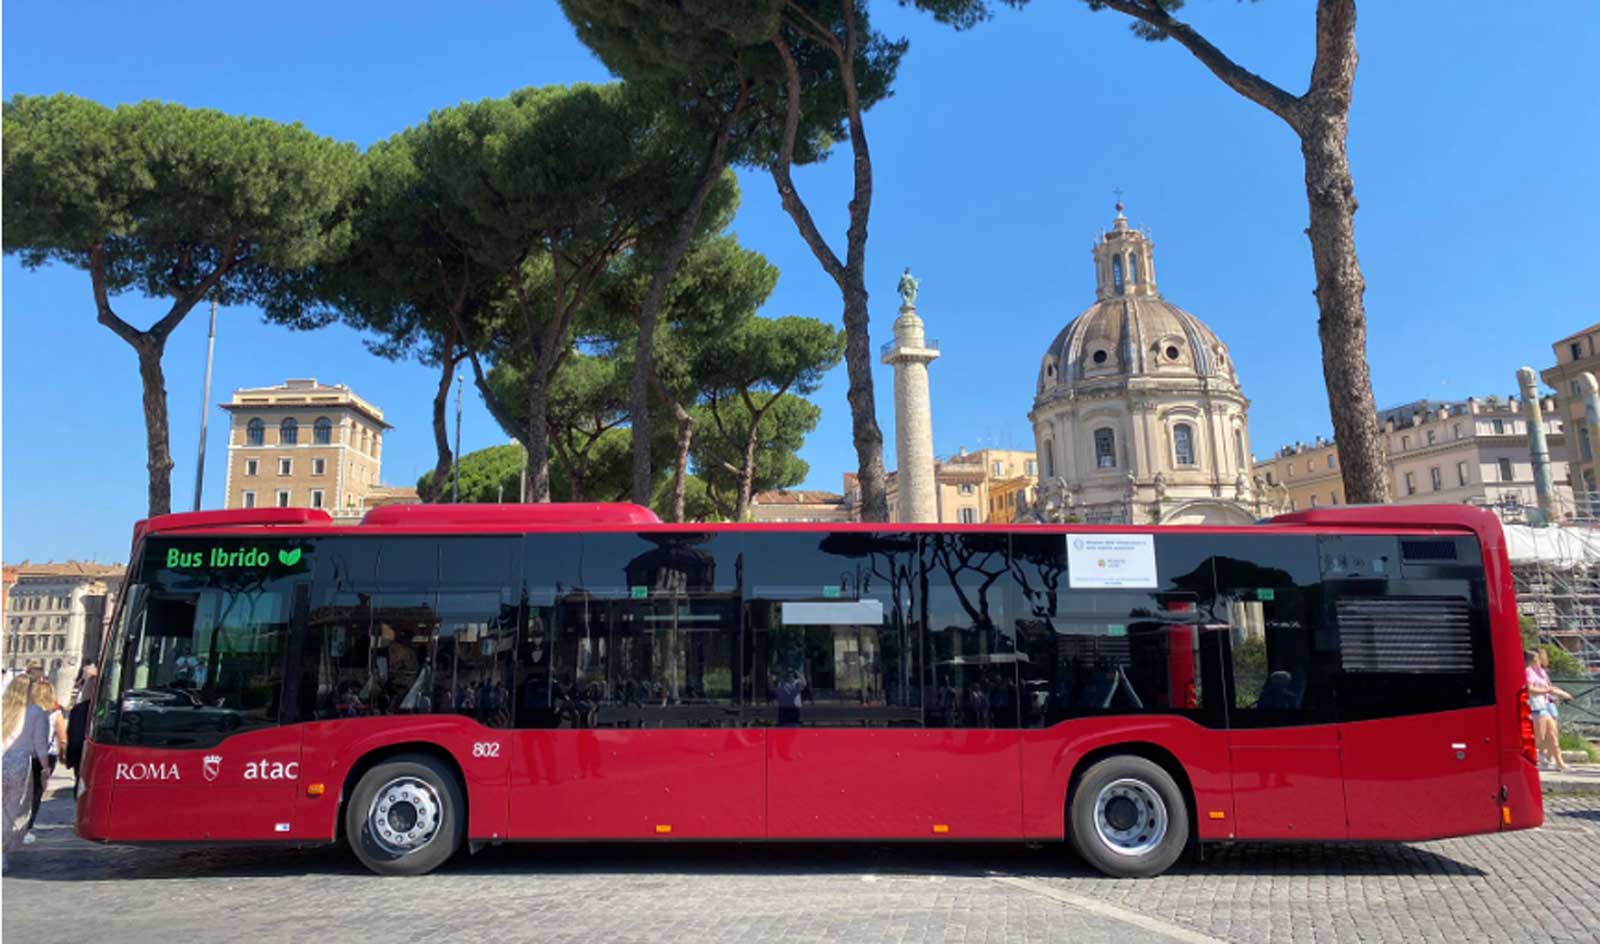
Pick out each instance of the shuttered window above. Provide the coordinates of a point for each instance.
(1410, 634)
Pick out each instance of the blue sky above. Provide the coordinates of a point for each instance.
(1473, 142)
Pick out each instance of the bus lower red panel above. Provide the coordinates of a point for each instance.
(242, 789)
(632, 784)
(1423, 776)
(1287, 783)
(893, 784)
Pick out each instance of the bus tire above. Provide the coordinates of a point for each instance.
(406, 816)
(1128, 817)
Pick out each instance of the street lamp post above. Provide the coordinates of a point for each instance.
(205, 409)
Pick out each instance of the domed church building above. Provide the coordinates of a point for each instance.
(1138, 416)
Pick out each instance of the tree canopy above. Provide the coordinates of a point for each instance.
(172, 202)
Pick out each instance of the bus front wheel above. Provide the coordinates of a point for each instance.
(406, 816)
(1128, 817)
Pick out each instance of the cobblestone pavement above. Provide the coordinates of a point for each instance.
(1542, 885)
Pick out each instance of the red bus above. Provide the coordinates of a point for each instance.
(441, 676)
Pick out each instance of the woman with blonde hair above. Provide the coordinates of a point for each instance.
(25, 733)
(43, 696)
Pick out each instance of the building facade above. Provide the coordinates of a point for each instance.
(1439, 452)
(303, 444)
(799, 505)
(1576, 355)
(1138, 415)
(55, 616)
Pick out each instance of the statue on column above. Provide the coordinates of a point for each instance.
(908, 289)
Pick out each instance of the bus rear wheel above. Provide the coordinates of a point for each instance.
(406, 816)
(1128, 817)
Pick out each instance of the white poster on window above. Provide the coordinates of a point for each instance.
(1111, 560)
(853, 613)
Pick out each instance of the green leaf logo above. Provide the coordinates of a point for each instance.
(289, 558)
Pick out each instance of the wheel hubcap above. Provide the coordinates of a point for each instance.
(404, 816)
(1130, 817)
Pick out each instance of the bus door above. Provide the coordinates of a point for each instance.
(1281, 660)
(626, 699)
(201, 749)
(1416, 691)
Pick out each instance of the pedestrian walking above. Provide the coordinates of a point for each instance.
(43, 697)
(1542, 699)
(25, 734)
(78, 723)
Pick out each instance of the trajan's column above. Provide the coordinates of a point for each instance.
(910, 353)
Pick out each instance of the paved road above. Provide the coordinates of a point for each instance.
(1542, 885)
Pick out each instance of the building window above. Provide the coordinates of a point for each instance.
(1334, 496)
(1499, 427)
(1583, 444)
(1133, 269)
(1331, 461)
(1437, 478)
(249, 499)
(1313, 501)
(251, 466)
(1411, 483)
(1577, 350)
(1405, 443)
(322, 431)
(1456, 430)
(1183, 444)
(255, 433)
(965, 489)
(1032, 467)
(1463, 477)
(1050, 458)
(316, 498)
(1116, 274)
(1505, 470)
(1431, 437)
(1105, 448)
(285, 466)
(969, 516)
(1577, 389)
(999, 469)
(319, 466)
(283, 498)
(289, 431)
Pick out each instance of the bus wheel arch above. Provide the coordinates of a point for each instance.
(1145, 752)
(427, 761)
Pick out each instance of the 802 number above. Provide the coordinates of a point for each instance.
(486, 749)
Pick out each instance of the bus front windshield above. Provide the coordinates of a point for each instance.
(199, 651)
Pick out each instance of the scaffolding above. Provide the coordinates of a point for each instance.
(1556, 572)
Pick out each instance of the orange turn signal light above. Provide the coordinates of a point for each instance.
(1217, 814)
(315, 789)
(1505, 814)
(940, 828)
(663, 828)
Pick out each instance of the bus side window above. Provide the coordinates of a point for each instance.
(972, 647)
(831, 630)
(1282, 658)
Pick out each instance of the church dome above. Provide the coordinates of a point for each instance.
(1130, 330)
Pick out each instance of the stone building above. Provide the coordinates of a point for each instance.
(302, 444)
(1468, 451)
(1576, 355)
(799, 505)
(964, 484)
(1138, 415)
(55, 616)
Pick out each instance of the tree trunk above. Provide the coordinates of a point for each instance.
(747, 473)
(680, 464)
(867, 435)
(537, 439)
(439, 483)
(159, 456)
(1343, 324)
